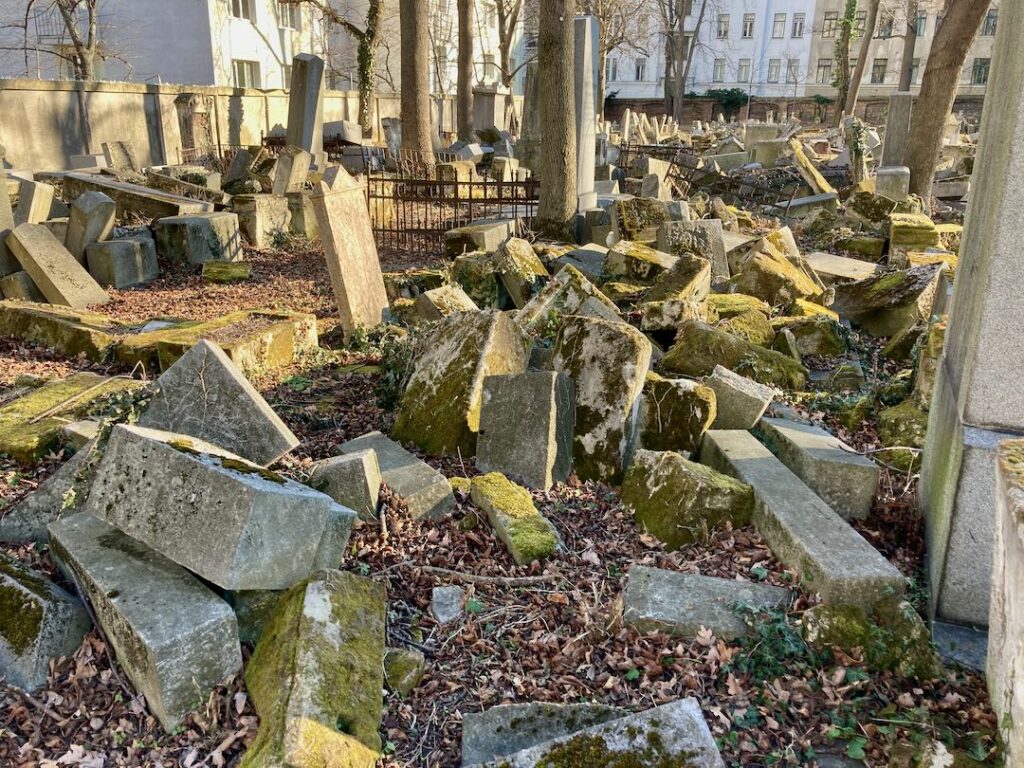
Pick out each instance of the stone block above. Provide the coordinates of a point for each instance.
(303, 215)
(353, 480)
(481, 235)
(568, 293)
(657, 600)
(199, 238)
(8, 263)
(446, 604)
(845, 480)
(317, 675)
(829, 556)
(306, 105)
(40, 622)
(226, 272)
(204, 395)
(60, 278)
(608, 362)
(702, 238)
(291, 171)
(891, 301)
(173, 637)
(636, 261)
(526, 427)
(18, 286)
(525, 532)
(588, 259)
(425, 491)
(34, 202)
(133, 199)
(263, 219)
(120, 155)
(509, 728)
(91, 221)
(834, 269)
(438, 303)
(893, 183)
(675, 414)
(440, 409)
(123, 263)
(229, 521)
(637, 219)
(521, 271)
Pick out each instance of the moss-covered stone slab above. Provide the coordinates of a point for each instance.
(702, 238)
(479, 236)
(316, 676)
(911, 232)
(437, 303)
(608, 362)
(675, 413)
(174, 639)
(478, 276)
(226, 272)
(928, 352)
(868, 246)
(410, 283)
(688, 279)
(816, 334)
(353, 480)
(699, 348)
(403, 670)
(679, 501)
(874, 210)
(39, 621)
(521, 271)
(440, 410)
(669, 314)
(740, 402)
(682, 604)
(752, 326)
(731, 304)
(30, 426)
(771, 277)
(69, 331)
(889, 302)
(900, 428)
(638, 218)
(804, 308)
(808, 171)
(524, 531)
(568, 293)
(636, 262)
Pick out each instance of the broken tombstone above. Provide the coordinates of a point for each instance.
(675, 413)
(91, 221)
(60, 278)
(525, 532)
(200, 238)
(353, 480)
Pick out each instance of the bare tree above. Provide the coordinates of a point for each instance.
(415, 109)
(862, 57)
(80, 22)
(847, 32)
(953, 39)
(556, 212)
(510, 18)
(623, 24)
(464, 97)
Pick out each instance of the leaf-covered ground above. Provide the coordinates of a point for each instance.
(769, 700)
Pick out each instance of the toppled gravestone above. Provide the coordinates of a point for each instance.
(173, 637)
(123, 264)
(425, 491)
(567, 293)
(699, 348)
(39, 622)
(679, 501)
(525, 532)
(741, 402)
(204, 395)
(199, 238)
(889, 302)
(675, 413)
(57, 274)
(673, 733)
(510, 728)
(521, 271)
(636, 261)
(702, 238)
(608, 362)
(440, 410)
(770, 276)
(316, 676)
(353, 480)
(229, 521)
(91, 221)
(526, 427)
(688, 279)
(438, 303)
(657, 600)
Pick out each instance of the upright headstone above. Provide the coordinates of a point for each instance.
(979, 394)
(306, 106)
(91, 221)
(8, 264)
(351, 253)
(897, 128)
(587, 71)
(34, 202)
(627, 125)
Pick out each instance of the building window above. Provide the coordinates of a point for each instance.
(490, 67)
(641, 69)
(612, 69)
(799, 19)
(723, 26)
(718, 75)
(748, 25)
(286, 69)
(247, 73)
(774, 70)
(988, 26)
(743, 71)
(289, 16)
(921, 24)
(243, 9)
(979, 72)
(792, 70)
(824, 76)
(829, 24)
(915, 71)
(779, 26)
(861, 23)
(878, 69)
(885, 26)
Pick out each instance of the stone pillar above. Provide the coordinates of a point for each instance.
(586, 68)
(897, 128)
(529, 137)
(979, 394)
(306, 106)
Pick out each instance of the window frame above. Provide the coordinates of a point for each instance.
(749, 22)
(740, 66)
(774, 70)
(875, 78)
(990, 23)
(825, 66)
(718, 71)
(249, 13)
(797, 32)
(792, 71)
(981, 64)
(779, 25)
(829, 24)
(251, 70)
(722, 29)
(640, 69)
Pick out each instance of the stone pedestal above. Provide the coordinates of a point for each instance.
(897, 128)
(489, 107)
(306, 106)
(979, 397)
(587, 69)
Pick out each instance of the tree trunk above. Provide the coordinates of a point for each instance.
(909, 43)
(415, 108)
(843, 56)
(602, 61)
(953, 39)
(862, 58)
(464, 96)
(369, 40)
(556, 212)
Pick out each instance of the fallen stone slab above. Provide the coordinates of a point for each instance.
(8, 263)
(521, 271)
(123, 264)
(608, 363)
(353, 480)
(226, 272)
(120, 155)
(403, 670)
(657, 600)
(425, 491)
(833, 269)
(132, 199)
(34, 202)
(438, 303)
(637, 219)
(674, 732)
(231, 522)
(204, 395)
(317, 675)
(200, 238)
(675, 413)
(679, 501)
(526, 427)
(40, 621)
(69, 331)
(60, 278)
(173, 637)
(481, 235)
(18, 286)
(291, 171)
(510, 728)
(440, 409)
(845, 480)
(829, 556)
(568, 293)
(703, 238)
(91, 221)
(740, 402)
(888, 302)
(179, 186)
(689, 279)
(525, 532)
(589, 259)
(636, 261)
(263, 219)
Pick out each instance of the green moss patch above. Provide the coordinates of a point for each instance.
(527, 534)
